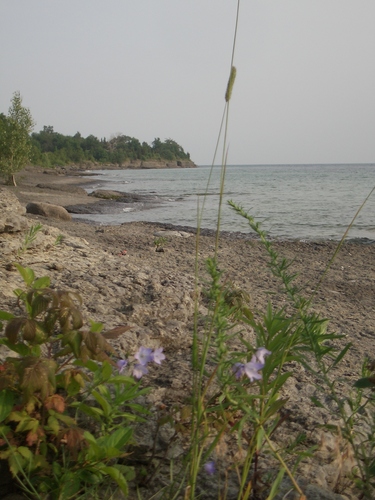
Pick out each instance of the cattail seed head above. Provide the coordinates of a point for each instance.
(232, 77)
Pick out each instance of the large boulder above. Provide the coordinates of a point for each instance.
(12, 213)
(67, 188)
(106, 194)
(48, 210)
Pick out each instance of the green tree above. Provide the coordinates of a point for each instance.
(15, 141)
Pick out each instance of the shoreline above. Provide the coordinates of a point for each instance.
(66, 187)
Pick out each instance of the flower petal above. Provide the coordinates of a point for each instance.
(261, 353)
(121, 364)
(158, 355)
(144, 355)
(251, 370)
(139, 371)
(238, 370)
(210, 468)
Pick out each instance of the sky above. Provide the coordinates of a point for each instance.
(304, 92)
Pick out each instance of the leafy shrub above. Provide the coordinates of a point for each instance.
(66, 410)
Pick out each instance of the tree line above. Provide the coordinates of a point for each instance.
(53, 149)
(20, 147)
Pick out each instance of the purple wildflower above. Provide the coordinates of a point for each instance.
(238, 370)
(144, 355)
(210, 468)
(121, 365)
(260, 354)
(139, 371)
(251, 369)
(158, 355)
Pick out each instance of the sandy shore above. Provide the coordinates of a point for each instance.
(153, 291)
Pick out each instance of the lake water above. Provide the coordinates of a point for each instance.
(308, 202)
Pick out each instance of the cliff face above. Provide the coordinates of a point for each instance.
(159, 164)
(131, 164)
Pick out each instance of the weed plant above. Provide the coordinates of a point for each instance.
(160, 243)
(30, 237)
(67, 404)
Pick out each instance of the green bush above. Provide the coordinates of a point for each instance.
(66, 409)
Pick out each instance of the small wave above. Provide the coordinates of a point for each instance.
(363, 241)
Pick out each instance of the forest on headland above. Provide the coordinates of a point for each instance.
(50, 149)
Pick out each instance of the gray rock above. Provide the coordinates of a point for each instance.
(48, 210)
(178, 234)
(68, 188)
(12, 218)
(12, 224)
(106, 194)
(311, 491)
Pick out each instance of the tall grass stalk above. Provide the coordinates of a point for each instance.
(199, 351)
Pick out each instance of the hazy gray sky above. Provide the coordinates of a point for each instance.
(305, 88)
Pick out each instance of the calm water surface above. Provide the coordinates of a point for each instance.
(292, 201)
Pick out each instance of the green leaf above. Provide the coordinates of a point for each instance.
(119, 438)
(276, 484)
(103, 403)
(74, 340)
(6, 316)
(27, 274)
(365, 383)
(279, 381)
(56, 469)
(13, 329)
(35, 350)
(53, 424)
(130, 416)
(275, 407)
(25, 452)
(94, 452)
(96, 327)
(6, 403)
(317, 402)
(43, 282)
(106, 370)
(116, 475)
(73, 387)
(20, 348)
(122, 379)
(27, 424)
(40, 462)
(15, 462)
(90, 364)
(39, 305)
(70, 485)
(29, 330)
(18, 292)
(69, 421)
(109, 452)
(126, 471)
(89, 437)
(341, 355)
(260, 438)
(96, 413)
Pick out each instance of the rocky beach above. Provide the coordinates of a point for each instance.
(123, 280)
